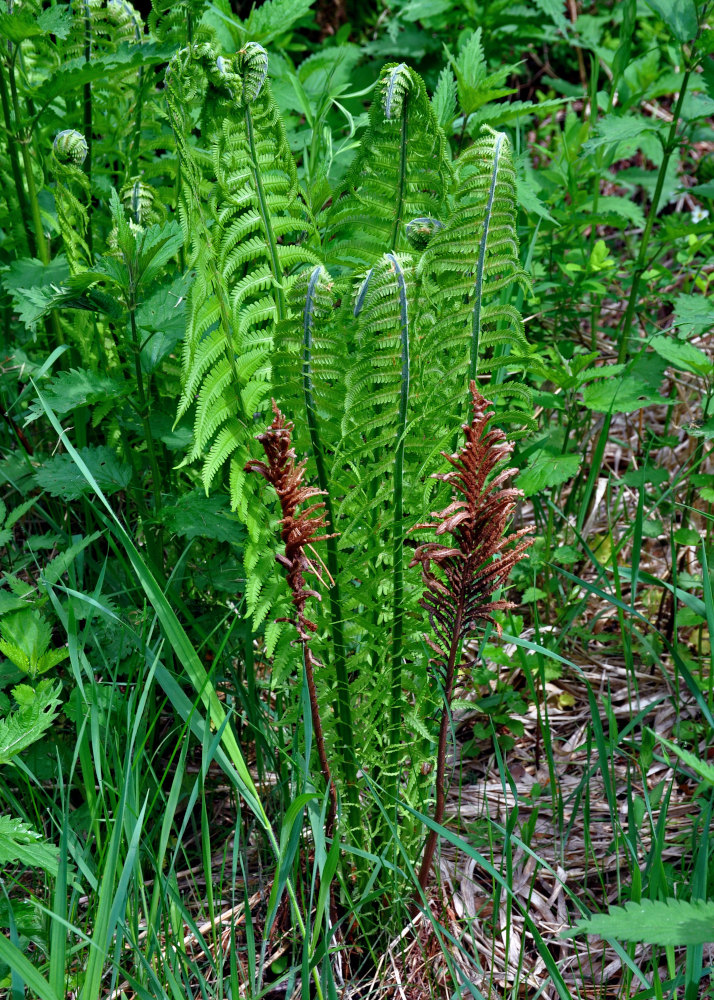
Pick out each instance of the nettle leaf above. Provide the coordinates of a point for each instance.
(680, 16)
(621, 208)
(20, 843)
(612, 130)
(60, 477)
(195, 515)
(274, 18)
(683, 356)
(546, 470)
(670, 922)
(619, 395)
(37, 711)
(28, 281)
(554, 10)
(693, 314)
(75, 388)
(162, 318)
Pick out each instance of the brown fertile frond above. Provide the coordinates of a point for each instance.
(461, 577)
(298, 529)
(480, 558)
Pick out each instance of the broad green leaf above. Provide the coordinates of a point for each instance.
(194, 515)
(693, 314)
(683, 356)
(671, 922)
(619, 395)
(78, 387)
(19, 843)
(444, 99)
(61, 478)
(547, 470)
(612, 130)
(680, 16)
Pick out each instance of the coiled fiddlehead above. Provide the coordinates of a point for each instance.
(70, 147)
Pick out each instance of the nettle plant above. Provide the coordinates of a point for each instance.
(376, 325)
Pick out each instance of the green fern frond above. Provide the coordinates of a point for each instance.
(245, 239)
(401, 171)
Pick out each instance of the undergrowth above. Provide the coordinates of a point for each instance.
(302, 691)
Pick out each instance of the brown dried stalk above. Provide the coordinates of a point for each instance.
(299, 531)
(461, 577)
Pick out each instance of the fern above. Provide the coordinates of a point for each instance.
(401, 171)
(468, 329)
(243, 244)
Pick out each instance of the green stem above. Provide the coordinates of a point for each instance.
(342, 705)
(395, 728)
(399, 208)
(14, 159)
(265, 215)
(430, 845)
(481, 263)
(144, 413)
(87, 100)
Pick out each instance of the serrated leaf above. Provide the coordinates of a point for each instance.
(444, 99)
(195, 515)
(611, 130)
(547, 470)
(20, 843)
(680, 16)
(554, 10)
(75, 388)
(619, 395)
(623, 208)
(60, 477)
(671, 922)
(693, 315)
(37, 711)
(275, 17)
(27, 631)
(682, 356)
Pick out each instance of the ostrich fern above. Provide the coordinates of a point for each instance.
(367, 332)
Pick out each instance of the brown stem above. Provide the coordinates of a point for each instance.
(319, 736)
(430, 845)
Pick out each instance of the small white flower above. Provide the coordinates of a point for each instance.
(699, 214)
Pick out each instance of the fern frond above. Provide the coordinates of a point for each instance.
(401, 171)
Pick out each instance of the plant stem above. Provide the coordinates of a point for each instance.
(144, 413)
(395, 726)
(342, 706)
(481, 262)
(265, 215)
(87, 101)
(14, 160)
(399, 207)
(430, 845)
(309, 665)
